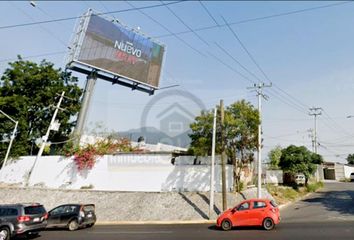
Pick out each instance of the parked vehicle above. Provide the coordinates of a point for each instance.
(72, 216)
(5, 230)
(252, 212)
(300, 179)
(19, 219)
(352, 177)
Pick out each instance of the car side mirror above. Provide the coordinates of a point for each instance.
(233, 210)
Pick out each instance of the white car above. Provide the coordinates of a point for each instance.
(352, 177)
(300, 179)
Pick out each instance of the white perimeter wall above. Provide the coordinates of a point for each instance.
(348, 170)
(126, 172)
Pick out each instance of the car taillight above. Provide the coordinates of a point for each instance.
(23, 219)
(274, 210)
(45, 216)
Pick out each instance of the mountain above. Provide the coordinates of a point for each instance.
(153, 135)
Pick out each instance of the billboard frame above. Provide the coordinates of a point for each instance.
(72, 62)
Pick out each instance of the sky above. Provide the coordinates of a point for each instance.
(307, 55)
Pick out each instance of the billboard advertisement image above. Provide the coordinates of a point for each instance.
(113, 48)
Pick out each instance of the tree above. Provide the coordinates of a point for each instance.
(28, 92)
(296, 159)
(350, 159)
(240, 131)
(274, 156)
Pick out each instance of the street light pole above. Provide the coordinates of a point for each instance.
(212, 171)
(11, 139)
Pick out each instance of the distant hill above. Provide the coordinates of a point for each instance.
(153, 136)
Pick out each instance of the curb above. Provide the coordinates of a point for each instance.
(285, 205)
(154, 222)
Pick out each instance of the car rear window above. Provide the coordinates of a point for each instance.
(352, 174)
(88, 208)
(273, 203)
(31, 210)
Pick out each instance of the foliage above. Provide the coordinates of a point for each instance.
(274, 156)
(28, 92)
(240, 139)
(284, 194)
(296, 159)
(86, 156)
(313, 187)
(350, 159)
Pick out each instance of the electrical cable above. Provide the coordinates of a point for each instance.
(73, 18)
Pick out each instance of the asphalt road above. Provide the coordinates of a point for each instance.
(328, 214)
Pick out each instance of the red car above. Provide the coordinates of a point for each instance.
(251, 212)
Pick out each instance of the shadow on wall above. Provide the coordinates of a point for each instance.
(70, 172)
(195, 178)
(337, 201)
(192, 204)
(187, 178)
(207, 201)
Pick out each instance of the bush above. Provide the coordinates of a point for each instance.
(313, 187)
(85, 156)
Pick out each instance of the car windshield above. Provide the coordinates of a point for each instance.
(34, 210)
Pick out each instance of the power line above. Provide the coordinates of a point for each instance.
(245, 49)
(229, 67)
(72, 18)
(208, 12)
(260, 18)
(185, 24)
(33, 56)
(42, 27)
(164, 27)
(235, 60)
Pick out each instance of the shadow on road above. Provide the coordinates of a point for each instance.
(214, 228)
(338, 201)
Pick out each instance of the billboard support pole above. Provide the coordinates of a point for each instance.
(86, 99)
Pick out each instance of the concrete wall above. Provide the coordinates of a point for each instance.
(348, 169)
(123, 172)
(274, 176)
(339, 170)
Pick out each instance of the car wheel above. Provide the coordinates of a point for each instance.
(4, 233)
(226, 225)
(31, 235)
(73, 225)
(90, 225)
(268, 224)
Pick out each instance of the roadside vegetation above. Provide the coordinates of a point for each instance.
(284, 194)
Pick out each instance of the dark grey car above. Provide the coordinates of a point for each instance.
(5, 232)
(72, 216)
(19, 219)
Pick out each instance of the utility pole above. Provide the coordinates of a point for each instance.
(315, 111)
(86, 99)
(212, 170)
(311, 135)
(11, 139)
(223, 158)
(259, 90)
(45, 138)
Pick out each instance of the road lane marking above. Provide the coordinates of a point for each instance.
(135, 232)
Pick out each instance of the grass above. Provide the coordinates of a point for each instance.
(285, 194)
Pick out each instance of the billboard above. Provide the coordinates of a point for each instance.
(113, 48)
